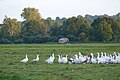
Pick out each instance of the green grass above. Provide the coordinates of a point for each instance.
(12, 69)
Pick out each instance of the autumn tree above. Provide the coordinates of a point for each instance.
(11, 27)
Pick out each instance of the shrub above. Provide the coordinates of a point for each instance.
(5, 41)
(19, 41)
(72, 38)
(41, 39)
(54, 39)
(11, 38)
(28, 39)
(36, 39)
(60, 36)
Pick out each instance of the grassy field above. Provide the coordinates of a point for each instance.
(12, 69)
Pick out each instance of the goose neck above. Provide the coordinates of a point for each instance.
(26, 55)
(98, 55)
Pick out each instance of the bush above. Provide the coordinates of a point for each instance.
(5, 41)
(46, 39)
(41, 39)
(36, 39)
(60, 36)
(19, 41)
(28, 39)
(53, 39)
(72, 38)
(11, 38)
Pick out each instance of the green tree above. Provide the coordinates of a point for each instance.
(33, 24)
(1, 31)
(50, 22)
(31, 14)
(55, 31)
(75, 26)
(58, 22)
(33, 27)
(101, 30)
(116, 30)
(115, 25)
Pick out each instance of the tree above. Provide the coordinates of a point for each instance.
(101, 30)
(116, 30)
(31, 14)
(75, 26)
(1, 31)
(49, 22)
(55, 31)
(58, 22)
(115, 25)
(54, 26)
(11, 27)
(33, 24)
(33, 27)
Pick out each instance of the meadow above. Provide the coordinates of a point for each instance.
(12, 69)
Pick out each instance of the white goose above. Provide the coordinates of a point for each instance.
(118, 58)
(25, 60)
(80, 54)
(81, 58)
(65, 59)
(50, 60)
(114, 59)
(93, 60)
(102, 58)
(76, 59)
(60, 59)
(107, 58)
(36, 59)
(98, 58)
(71, 61)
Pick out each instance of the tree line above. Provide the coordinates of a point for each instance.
(35, 29)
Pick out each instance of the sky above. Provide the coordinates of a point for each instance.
(59, 8)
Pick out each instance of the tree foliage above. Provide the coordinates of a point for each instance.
(102, 30)
(33, 24)
(11, 27)
(31, 14)
(75, 26)
(35, 29)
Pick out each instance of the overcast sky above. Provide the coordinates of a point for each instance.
(61, 8)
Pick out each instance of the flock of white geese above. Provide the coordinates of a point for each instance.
(102, 58)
